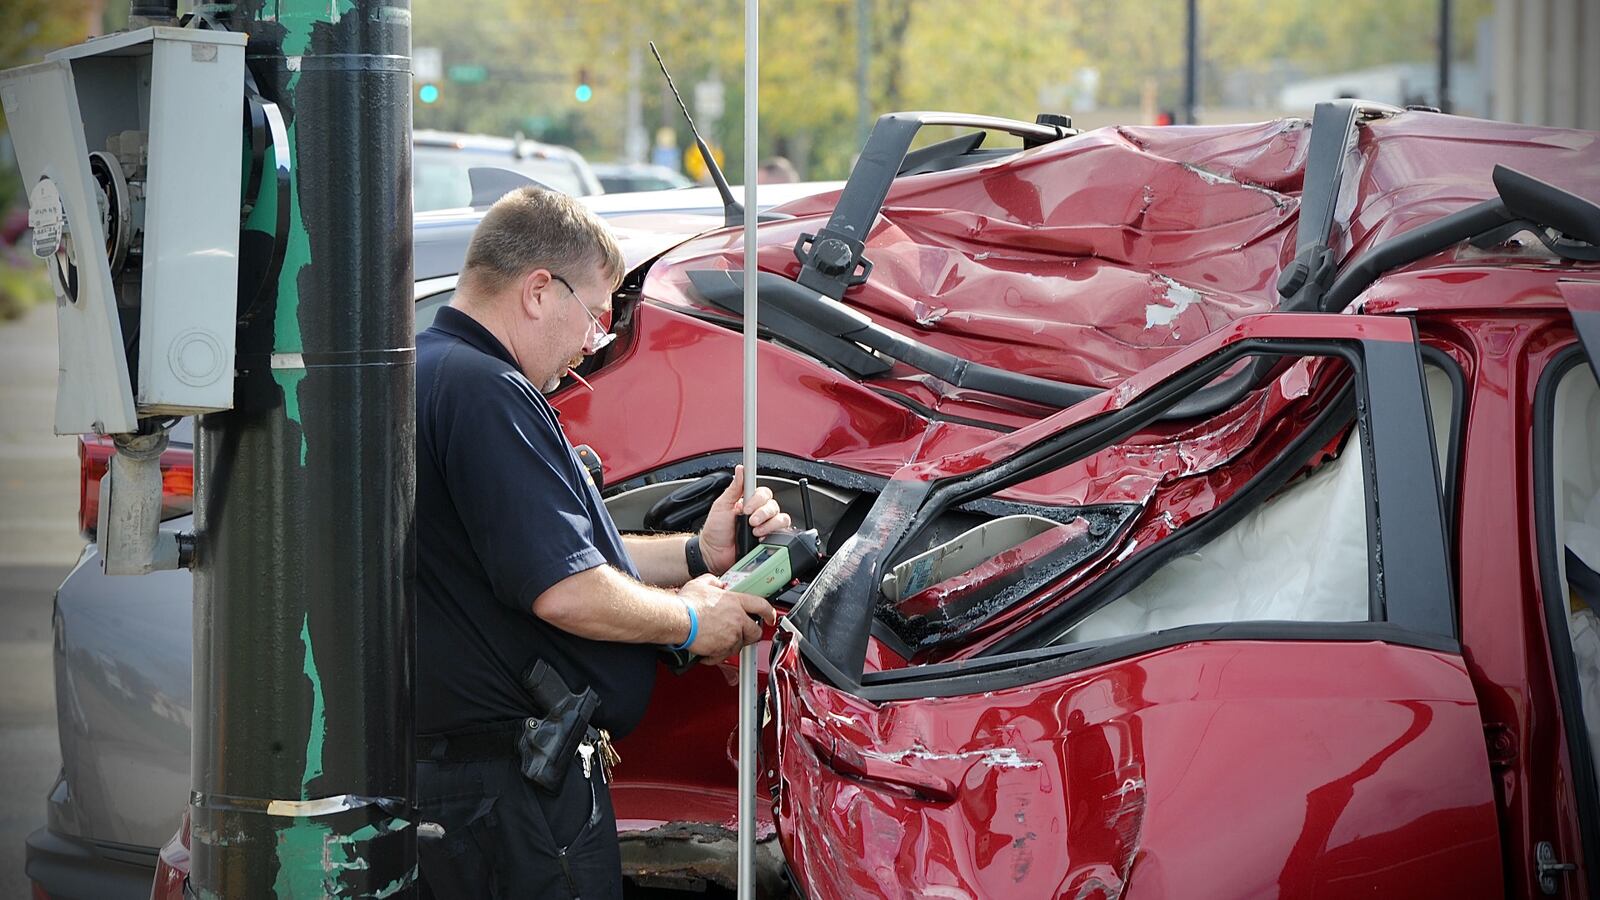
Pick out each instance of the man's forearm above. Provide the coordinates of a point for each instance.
(603, 604)
(658, 557)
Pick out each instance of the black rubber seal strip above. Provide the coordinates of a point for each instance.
(1584, 780)
(986, 674)
(933, 415)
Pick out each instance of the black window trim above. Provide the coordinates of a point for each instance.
(1584, 777)
(1413, 603)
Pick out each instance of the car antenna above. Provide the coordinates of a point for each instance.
(732, 212)
(805, 501)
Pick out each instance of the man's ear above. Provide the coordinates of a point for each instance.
(536, 292)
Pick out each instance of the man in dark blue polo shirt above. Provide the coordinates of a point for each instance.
(518, 563)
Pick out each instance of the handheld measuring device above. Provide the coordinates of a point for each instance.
(780, 558)
(768, 568)
(765, 571)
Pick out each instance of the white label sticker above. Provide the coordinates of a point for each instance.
(46, 218)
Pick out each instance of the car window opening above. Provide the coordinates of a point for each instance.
(1302, 556)
(1299, 557)
(961, 576)
(1575, 465)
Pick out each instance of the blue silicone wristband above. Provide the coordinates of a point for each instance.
(694, 627)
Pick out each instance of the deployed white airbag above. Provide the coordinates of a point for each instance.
(1301, 556)
(1577, 483)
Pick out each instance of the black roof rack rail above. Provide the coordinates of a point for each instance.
(784, 302)
(1333, 133)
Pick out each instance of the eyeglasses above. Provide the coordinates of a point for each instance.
(599, 338)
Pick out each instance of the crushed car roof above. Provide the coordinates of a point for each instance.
(1090, 258)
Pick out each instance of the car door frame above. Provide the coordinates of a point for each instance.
(1584, 306)
(1411, 601)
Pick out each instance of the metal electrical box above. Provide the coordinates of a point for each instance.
(130, 148)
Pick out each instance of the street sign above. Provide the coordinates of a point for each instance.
(427, 63)
(468, 74)
(708, 100)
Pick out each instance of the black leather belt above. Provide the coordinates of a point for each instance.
(494, 741)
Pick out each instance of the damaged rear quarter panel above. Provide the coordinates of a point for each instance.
(1224, 769)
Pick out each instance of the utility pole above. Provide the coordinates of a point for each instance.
(1191, 64)
(863, 72)
(302, 764)
(1444, 56)
(635, 142)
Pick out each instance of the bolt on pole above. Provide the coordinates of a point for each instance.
(302, 768)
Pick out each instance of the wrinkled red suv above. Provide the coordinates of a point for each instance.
(1211, 512)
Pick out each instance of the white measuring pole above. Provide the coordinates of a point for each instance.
(748, 721)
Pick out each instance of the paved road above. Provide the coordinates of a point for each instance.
(38, 544)
(29, 753)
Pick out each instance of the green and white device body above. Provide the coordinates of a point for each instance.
(780, 558)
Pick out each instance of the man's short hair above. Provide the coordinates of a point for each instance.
(532, 228)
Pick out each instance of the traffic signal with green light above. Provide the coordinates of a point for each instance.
(584, 92)
(428, 93)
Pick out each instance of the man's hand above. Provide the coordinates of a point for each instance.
(725, 618)
(719, 541)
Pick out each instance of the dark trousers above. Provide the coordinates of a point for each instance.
(506, 838)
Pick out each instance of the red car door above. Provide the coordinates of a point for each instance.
(1256, 689)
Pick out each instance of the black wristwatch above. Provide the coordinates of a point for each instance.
(694, 558)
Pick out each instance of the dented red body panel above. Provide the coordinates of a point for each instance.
(1201, 771)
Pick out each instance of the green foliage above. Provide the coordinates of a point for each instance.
(23, 282)
(1001, 57)
(32, 29)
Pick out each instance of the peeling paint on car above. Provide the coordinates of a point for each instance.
(1002, 757)
(1179, 296)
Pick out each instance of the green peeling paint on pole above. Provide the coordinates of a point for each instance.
(298, 21)
(303, 861)
(297, 255)
(317, 732)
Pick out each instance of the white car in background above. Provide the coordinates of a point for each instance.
(441, 160)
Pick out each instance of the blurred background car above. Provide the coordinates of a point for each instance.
(441, 160)
(620, 178)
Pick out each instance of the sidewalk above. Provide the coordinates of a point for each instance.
(39, 542)
(38, 470)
